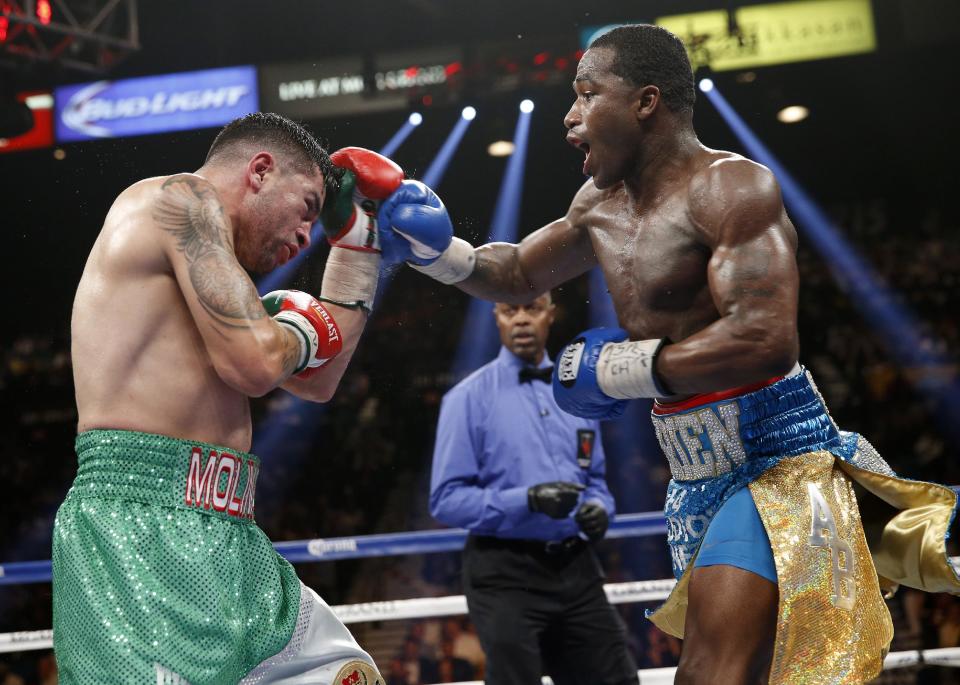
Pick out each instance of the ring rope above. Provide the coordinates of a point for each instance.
(361, 546)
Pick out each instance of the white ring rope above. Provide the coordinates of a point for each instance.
(948, 656)
(456, 605)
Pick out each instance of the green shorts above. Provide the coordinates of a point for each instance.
(161, 576)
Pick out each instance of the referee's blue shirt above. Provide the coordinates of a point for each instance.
(496, 437)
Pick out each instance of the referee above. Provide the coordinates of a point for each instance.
(527, 481)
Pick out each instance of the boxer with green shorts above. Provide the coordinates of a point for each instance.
(158, 558)
(160, 574)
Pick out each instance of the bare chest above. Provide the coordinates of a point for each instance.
(139, 360)
(655, 268)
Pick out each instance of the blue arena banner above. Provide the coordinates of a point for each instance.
(154, 104)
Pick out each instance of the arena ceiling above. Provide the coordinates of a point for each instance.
(881, 124)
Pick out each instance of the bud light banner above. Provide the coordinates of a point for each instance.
(155, 104)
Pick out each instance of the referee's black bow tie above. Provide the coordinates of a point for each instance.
(529, 373)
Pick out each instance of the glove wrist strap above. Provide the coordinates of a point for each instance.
(306, 335)
(356, 304)
(360, 231)
(454, 265)
(351, 276)
(625, 370)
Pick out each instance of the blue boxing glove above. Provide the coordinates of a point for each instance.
(575, 385)
(415, 226)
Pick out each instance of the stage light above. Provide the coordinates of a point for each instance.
(500, 148)
(793, 114)
(706, 85)
(44, 12)
(415, 119)
(40, 101)
(59, 154)
(526, 106)
(468, 113)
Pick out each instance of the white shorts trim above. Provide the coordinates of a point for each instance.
(319, 647)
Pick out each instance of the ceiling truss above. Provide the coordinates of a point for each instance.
(84, 35)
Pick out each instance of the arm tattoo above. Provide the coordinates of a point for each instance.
(291, 351)
(189, 209)
(753, 277)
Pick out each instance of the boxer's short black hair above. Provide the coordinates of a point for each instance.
(274, 132)
(650, 55)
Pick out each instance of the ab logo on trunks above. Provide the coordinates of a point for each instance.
(823, 533)
(357, 673)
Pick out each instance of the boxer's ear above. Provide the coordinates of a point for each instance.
(646, 102)
(258, 167)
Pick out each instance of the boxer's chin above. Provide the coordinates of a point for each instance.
(601, 182)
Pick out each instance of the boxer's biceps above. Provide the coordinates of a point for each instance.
(548, 257)
(198, 243)
(754, 276)
(555, 254)
(247, 349)
(754, 286)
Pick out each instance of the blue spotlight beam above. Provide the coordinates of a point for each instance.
(896, 325)
(398, 139)
(438, 167)
(479, 339)
(507, 213)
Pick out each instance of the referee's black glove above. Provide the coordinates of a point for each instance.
(556, 499)
(593, 520)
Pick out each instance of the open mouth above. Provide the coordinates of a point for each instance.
(579, 143)
(584, 147)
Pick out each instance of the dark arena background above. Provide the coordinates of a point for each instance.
(847, 100)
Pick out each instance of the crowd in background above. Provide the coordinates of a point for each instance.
(361, 461)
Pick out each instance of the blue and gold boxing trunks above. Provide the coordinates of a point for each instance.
(779, 445)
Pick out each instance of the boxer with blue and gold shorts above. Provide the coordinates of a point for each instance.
(698, 254)
(763, 481)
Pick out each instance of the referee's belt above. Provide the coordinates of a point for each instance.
(566, 546)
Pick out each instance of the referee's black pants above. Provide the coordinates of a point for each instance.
(539, 611)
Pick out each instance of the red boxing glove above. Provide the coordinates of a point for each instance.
(319, 334)
(377, 176)
(350, 217)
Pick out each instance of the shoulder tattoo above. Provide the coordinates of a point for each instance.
(189, 209)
